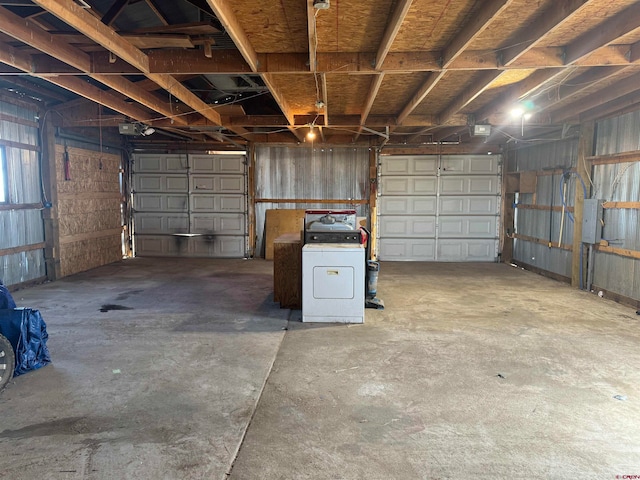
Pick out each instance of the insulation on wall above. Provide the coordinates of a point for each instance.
(89, 203)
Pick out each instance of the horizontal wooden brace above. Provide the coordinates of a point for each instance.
(622, 205)
(540, 241)
(21, 249)
(555, 208)
(20, 146)
(622, 252)
(626, 157)
(20, 206)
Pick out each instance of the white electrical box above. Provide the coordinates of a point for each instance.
(592, 221)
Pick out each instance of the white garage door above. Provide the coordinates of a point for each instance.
(443, 208)
(194, 206)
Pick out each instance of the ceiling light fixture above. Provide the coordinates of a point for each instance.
(321, 4)
(311, 135)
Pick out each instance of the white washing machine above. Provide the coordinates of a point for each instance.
(333, 277)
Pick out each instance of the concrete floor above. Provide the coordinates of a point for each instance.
(472, 371)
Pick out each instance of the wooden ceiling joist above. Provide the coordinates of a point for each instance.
(313, 35)
(71, 13)
(604, 34)
(481, 19)
(391, 31)
(555, 16)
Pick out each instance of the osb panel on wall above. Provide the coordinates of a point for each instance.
(91, 253)
(89, 209)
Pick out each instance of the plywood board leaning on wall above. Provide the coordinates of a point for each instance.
(279, 222)
(89, 209)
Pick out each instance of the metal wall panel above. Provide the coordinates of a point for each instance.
(544, 224)
(21, 227)
(618, 183)
(304, 172)
(449, 202)
(193, 205)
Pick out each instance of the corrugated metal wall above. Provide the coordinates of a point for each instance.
(285, 172)
(618, 183)
(20, 220)
(545, 224)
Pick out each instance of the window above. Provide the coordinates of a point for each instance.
(4, 184)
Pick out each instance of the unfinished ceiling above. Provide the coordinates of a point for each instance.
(385, 72)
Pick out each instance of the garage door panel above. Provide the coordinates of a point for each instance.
(158, 223)
(217, 203)
(405, 249)
(409, 165)
(469, 165)
(409, 186)
(407, 205)
(463, 227)
(207, 198)
(226, 224)
(160, 163)
(463, 250)
(225, 164)
(417, 226)
(472, 185)
(217, 183)
(158, 202)
(470, 227)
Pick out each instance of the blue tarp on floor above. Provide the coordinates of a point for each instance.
(26, 331)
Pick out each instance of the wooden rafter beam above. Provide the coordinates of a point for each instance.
(156, 10)
(489, 11)
(626, 104)
(12, 57)
(391, 31)
(458, 44)
(374, 88)
(553, 18)
(71, 13)
(21, 83)
(480, 85)
(604, 34)
(313, 35)
(116, 9)
(227, 17)
(577, 85)
(31, 34)
(619, 89)
(516, 93)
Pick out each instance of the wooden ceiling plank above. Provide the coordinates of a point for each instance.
(489, 11)
(610, 93)
(603, 34)
(71, 13)
(557, 15)
(469, 95)
(224, 13)
(391, 31)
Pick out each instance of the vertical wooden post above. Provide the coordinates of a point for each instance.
(583, 170)
(251, 189)
(50, 186)
(373, 200)
(508, 198)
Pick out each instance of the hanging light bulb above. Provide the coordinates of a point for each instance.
(311, 135)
